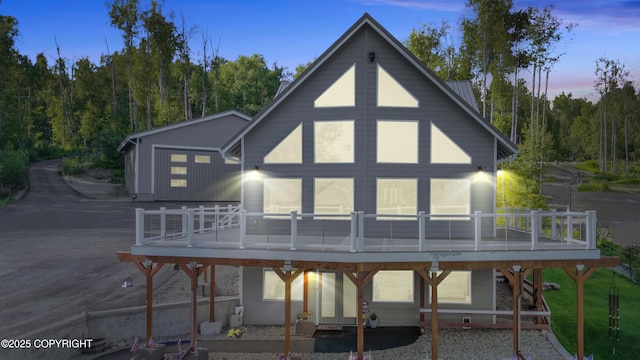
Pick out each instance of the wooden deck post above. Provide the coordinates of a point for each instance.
(517, 291)
(579, 276)
(149, 272)
(212, 293)
(288, 278)
(305, 292)
(192, 273)
(434, 313)
(537, 290)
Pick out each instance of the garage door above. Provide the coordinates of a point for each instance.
(194, 175)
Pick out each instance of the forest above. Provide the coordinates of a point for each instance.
(169, 71)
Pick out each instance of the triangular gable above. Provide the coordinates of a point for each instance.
(391, 93)
(288, 151)
(342, 93)
(504, 149)
(444, 150)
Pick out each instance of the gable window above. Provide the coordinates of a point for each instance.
(333, 196)
(281, 196)
(178, 157)
(288, 151)
(444, 150)
(396, 197)
(334, 141)
(455, 288)
(342, 93)
(397, 142)
(450, 197)
(393, 286)
(391, 93)
(273, 286)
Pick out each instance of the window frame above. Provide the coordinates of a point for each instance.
(396, 276)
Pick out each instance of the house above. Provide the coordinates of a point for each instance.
(369, 185)
(182, 162)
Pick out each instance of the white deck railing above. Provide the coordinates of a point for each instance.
(508, 229)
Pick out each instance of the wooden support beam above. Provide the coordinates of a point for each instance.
(434, 313)
(212, 294)
(537, 293)
(360, 281)
(305, 292)
(517, 292)
(579, 275)
(287, 313)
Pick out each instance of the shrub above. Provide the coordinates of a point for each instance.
(13, 169)
(72, 166)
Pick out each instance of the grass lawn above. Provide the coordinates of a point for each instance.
(596, 314)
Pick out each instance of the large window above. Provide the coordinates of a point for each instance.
(455, 288)
(397, 141)
(273, 286)
(282, 195)
(334, 141)
(396, 197)
(392, 93)
(450, 197)
(333, 196)
(288, 151)
(393, 286)
(444, 150)
(342, 93)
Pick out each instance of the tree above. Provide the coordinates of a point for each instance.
(124, 17)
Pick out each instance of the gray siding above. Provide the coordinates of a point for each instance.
(435, 106)
(215, 181)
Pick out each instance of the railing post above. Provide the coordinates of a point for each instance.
(591, 230)
(139, 226)
(163, 223)
(243, 228)
(294, 229)
(202, 218)
(216, 218)
(229, 217)
(191, 217)
(360, 230)
(184, 220)
(478, 229)
(422, 231)
(535, 229)
(354, 230)
(569, 226)
(554, 231)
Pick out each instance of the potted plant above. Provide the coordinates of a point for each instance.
(373, 320)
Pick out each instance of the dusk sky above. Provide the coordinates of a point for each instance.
(291, 33)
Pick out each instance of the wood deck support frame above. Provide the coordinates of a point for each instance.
(516, 279)
(537, 293)
(366, 271)
(579, 275)
(287, 276)
(192, 273)
(149, 270)
(212, 294)
(434, 280)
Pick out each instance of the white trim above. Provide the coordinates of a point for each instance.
(137, 167)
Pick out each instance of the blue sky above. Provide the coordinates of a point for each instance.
(290, 33)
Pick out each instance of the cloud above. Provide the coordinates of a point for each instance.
(448, 6)
(609, 16)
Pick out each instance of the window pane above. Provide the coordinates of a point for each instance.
(288, 151)
(455, 288)
(393, 286)
(203, 159)
(178, 157)
(333, 141)
(444, 150)
(392, 93)
(349, 298)
(450, 197)
(282, 195)
(328, 301)
(397, 142)
(273, 287)
(397, 196)
(178, 182)
(333, 196)
(178, 170)
(341, 93)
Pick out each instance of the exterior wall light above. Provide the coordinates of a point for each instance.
(372, 56)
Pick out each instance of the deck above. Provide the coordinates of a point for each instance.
(230, 232)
